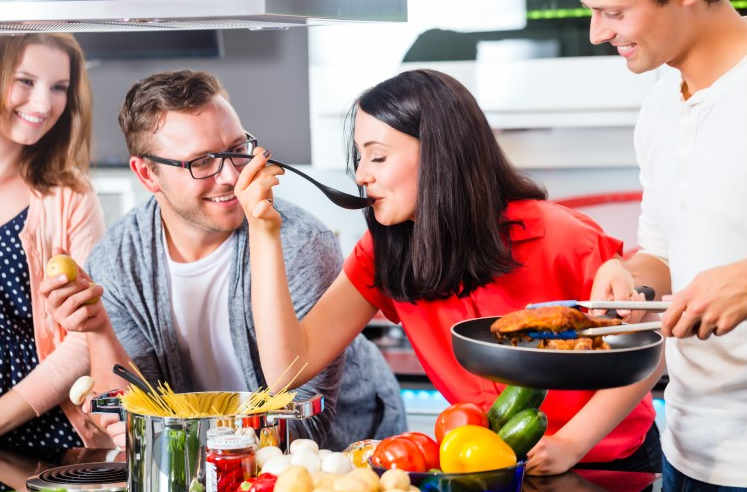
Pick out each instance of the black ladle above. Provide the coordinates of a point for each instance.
(132, 378)
(337, 197)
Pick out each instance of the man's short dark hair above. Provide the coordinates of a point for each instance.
(149, 99)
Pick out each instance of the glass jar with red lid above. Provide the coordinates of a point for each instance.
(230, 460)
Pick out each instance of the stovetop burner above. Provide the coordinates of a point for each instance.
(89, 477)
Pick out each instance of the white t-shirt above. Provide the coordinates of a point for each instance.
(199, 300)
(693, 158)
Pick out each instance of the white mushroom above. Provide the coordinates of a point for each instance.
(337, 463)
(306, 458)
(276, 464)
(81, 389)
(304, 444)
(263, 455)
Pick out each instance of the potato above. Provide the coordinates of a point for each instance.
(350, 483)
(294, 479)
(62, 265)
(395, 479)
(92, 300)
(323, 479)
(367, 475)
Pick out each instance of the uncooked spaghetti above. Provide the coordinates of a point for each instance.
(164, 402)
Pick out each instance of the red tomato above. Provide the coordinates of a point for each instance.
(457, 415)
(399, 452)
(264, 483)
(427, 446)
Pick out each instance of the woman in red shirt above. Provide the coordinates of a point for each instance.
(455, 233)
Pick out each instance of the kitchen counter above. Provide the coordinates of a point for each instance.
(15, 468)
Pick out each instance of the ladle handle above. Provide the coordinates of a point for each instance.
(131, 378)
(300, 173)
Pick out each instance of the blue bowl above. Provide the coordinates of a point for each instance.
(502, 480)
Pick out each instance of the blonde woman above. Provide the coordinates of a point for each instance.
(48, 203)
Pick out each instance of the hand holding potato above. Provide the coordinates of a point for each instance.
(71, 297)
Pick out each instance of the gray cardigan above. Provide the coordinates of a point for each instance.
(362, 397)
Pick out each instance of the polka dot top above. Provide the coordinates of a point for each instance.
(18, 355)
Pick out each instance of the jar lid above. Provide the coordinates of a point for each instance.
(219, 431)
(230, 442)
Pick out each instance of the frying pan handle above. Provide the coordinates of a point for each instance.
(648, 292)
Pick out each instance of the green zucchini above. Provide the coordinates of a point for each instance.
(512, 400)
(524, 430)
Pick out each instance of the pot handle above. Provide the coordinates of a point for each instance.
(109, 402)
(301, 409)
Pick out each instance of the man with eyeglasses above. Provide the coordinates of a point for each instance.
(175, 271)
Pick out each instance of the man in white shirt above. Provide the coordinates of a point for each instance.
(691, 146)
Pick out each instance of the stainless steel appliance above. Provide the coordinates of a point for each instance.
(148, 15)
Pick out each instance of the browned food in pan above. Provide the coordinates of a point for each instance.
(554, 318)
(581, 343)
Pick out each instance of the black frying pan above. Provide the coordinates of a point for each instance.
(633, 357)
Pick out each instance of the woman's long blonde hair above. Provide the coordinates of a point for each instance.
(62, 157)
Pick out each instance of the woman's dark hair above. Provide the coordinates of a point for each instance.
(61, 157)
(459, 240)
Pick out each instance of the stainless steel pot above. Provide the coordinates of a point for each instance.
(167, 454)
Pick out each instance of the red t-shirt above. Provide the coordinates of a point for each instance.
(560, 251)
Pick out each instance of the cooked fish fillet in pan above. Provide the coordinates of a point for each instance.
(554, 318)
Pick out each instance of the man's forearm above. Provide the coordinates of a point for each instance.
(106, 350)
(650, 271)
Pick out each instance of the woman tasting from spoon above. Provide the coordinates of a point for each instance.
(455, 233)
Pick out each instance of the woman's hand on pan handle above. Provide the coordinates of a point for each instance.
(253, 189)
(614, 282)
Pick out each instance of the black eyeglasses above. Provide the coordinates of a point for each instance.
(209, 165)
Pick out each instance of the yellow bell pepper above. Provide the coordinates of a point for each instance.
(471, 448)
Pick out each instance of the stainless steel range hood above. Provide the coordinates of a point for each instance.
(19, 16)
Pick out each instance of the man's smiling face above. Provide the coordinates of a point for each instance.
(205, 204)
(644, 32)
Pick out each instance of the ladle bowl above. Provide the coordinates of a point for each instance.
(337, 197)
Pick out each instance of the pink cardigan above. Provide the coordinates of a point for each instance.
(75, 222)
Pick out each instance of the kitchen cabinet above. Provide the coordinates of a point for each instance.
(546, 112)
